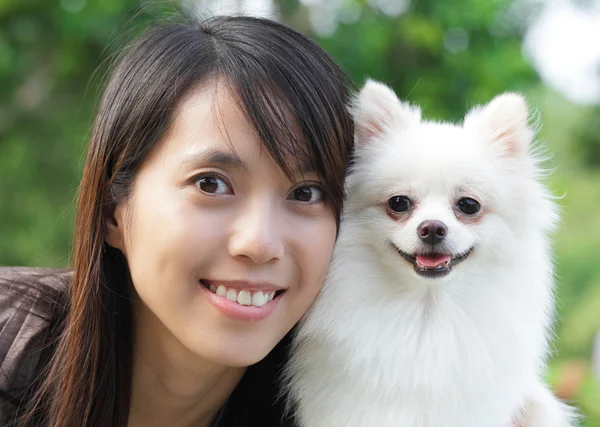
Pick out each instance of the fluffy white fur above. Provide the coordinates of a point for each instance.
(383, 346)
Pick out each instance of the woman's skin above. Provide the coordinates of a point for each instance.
(209, 207)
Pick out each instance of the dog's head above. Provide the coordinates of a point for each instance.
(435, 194)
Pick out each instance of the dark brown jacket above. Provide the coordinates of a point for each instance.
(28, 300)
(32, 306)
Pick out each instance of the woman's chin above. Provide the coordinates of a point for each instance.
(238, 357)
(235, 351)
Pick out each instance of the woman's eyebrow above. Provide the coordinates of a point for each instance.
(227, 159)
(213, 157)
(305, 169)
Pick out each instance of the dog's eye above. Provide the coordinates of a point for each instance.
(399, 204)
(469, 206)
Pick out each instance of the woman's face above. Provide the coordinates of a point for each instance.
(225, 252)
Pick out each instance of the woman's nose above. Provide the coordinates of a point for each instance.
(257, 234)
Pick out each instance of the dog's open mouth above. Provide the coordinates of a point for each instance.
(433, 265)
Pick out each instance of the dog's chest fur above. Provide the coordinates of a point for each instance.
(462, 353)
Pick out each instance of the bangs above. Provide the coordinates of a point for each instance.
(294, 97)
(277, 126)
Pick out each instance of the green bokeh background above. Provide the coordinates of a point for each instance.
(53, 55)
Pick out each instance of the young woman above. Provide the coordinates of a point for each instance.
(207, 214)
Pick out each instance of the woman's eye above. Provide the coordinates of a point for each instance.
(307, 194)
(213, 185)
(399, 204)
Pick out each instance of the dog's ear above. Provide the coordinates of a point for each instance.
(376, 108)
(504, 122)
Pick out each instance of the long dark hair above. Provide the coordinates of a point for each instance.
(278, 75)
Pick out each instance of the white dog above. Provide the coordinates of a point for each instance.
(439, 302)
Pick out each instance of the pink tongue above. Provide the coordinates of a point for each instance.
(432, 261)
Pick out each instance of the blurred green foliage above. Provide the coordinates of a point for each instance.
(443, 57)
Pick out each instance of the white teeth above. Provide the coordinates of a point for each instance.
(231, 295)
(244, 298)
(258, 299)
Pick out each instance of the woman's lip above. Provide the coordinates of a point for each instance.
(238, 311)
(239, 284)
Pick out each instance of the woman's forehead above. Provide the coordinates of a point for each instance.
(210, 116)
(209, 126)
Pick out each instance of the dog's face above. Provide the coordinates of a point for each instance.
(432, 195)
(434, 210)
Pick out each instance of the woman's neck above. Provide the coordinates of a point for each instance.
(171, 385)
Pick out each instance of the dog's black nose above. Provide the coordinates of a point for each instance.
(432, 231)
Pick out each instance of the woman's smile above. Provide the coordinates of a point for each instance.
(243, 300)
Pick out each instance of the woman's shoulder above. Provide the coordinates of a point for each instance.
(18, 282)
(30, 301)
(32, 284)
